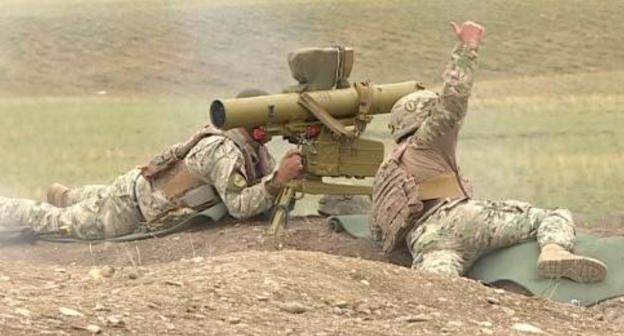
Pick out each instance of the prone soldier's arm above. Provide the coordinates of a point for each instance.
(220, 163)
(458, 79)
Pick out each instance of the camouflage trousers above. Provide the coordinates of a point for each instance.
(94, 212)
(456, 235)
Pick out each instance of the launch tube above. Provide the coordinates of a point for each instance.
(283, 108)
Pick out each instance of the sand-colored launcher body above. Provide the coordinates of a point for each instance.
(281, 109)
(326, 125)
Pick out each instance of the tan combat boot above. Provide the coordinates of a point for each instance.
(556, 262)
(57, 195)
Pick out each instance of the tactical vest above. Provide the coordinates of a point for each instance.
(400, 203)
(168, 171)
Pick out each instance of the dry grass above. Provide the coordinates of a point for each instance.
(543, 126)
(148, 47)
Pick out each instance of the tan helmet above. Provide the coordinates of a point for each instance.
(409, 112)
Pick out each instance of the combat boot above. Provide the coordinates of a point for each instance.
(57, 195)
(557, 262)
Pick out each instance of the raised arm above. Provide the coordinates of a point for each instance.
(450, 108)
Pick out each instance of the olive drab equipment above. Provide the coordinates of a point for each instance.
(320, 68)
(325, 117)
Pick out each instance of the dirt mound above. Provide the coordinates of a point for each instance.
(212, 239)
(269, 293)
(199, 282)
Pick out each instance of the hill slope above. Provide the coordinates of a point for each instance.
(69, 47)
(270, 293)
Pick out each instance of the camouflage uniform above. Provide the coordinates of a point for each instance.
(451, 239)
(446, 235)
(130, 203)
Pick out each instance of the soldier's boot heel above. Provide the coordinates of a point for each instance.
(556, 262)
(57, 195)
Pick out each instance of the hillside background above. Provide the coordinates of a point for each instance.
(91, 89)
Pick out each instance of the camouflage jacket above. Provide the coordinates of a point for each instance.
(399, 201)
(458, 79)
(219, 162)
(432, 147)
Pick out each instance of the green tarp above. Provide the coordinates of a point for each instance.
(516, 264)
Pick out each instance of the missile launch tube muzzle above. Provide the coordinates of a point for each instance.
(284, 108)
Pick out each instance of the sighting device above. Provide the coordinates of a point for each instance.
(325, 116)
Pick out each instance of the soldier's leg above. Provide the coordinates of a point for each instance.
(95, 218)
(23, 213)
(444, 262)
(62, 196)
(116, 209)
(468, 230)
(499, 224)
(485, 226)
(556, 239)
(104, 216)
(556, 227)
(80, 194)
(434, 249)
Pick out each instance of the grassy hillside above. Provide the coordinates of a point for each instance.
(93, 88)
(211, 48)
(562, 147)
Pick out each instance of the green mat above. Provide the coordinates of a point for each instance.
(516, 264)
(355, 225)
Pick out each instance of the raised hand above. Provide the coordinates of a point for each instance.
(469, 32)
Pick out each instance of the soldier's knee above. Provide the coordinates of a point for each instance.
(561, 219)
(87, 230)
(439, 269)
(439, 262)
(564, 214)
(96, 229)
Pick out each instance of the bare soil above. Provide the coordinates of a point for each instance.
(233, 279)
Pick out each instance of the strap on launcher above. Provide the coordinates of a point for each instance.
(343, 69)
(366, 93)
(327, 69)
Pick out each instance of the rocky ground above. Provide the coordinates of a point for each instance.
(233, 279)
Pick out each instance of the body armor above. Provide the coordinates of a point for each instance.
(168, 172)
(400, 202)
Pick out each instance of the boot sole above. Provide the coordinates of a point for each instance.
(583, 270)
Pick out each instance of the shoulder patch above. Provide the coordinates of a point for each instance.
(237, 182)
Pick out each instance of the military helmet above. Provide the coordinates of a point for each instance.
(409, 112)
